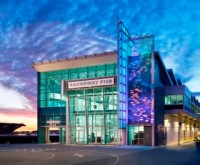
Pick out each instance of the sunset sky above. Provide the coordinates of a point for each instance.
(39, 30)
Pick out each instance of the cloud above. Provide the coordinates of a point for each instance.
(170, 63)
(12, 99)
(194, 84)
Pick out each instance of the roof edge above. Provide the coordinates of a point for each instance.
(75, 58)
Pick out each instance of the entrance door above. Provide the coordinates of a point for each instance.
(62, 135)
(113, 137)
(136, 135)
(80, 136)
(53, 134)
(95, 137)
(147, 135)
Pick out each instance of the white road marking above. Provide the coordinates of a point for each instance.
(117, 159)
(52, 155)
(31, 149)
(79, 155)
(113, 155)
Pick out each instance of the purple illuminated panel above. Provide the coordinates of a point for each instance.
(140, 109)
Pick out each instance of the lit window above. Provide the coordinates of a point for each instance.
(173, 99)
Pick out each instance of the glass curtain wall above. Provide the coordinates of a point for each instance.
(49, 83)
(52, 105)
(136, 135)
(93, 116)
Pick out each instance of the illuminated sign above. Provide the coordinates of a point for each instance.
(91, 83)
(53, 122)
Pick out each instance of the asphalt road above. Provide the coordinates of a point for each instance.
(186, 154)
(60, 154)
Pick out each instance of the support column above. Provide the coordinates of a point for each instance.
(179, 129)
(191, 129)
(47, 135)
(67, 120)
(124, 137)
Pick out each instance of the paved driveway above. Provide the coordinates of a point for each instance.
(60, 154)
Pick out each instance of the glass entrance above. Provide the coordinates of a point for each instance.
(54, 134)
(113, 136)
(136, 135)
(91, 112)
(80, 136)
(95, 136)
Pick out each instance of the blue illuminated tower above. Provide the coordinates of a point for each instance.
(135, 81)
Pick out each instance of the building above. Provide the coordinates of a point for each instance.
(123, 97)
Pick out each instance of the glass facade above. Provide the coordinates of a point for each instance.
(50, 89)
(136, 135)
(50, 82)
(125, 45)
(93, 115)
(95, 108)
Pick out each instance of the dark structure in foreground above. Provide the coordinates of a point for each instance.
(8, 128)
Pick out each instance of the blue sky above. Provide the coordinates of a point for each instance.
(34, 30)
